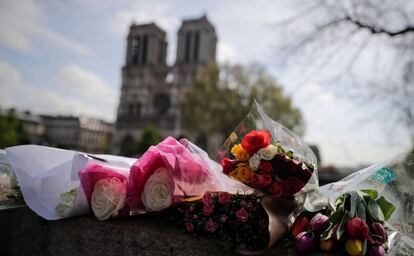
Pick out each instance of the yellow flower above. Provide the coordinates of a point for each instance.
(326, 245)
(239, 152)
(353, 247)
(242, 173)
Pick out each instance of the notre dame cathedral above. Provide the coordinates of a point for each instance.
(148, 96)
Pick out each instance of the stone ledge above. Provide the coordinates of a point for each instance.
(22, 232)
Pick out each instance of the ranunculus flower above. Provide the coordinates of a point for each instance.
(301, 224)
(268, 152)
(242, 173)
(242, 215)
(319, 222)
(156, 195)
(189, 227)
(376, 250)
(108, 197)
(353, 247)
(228, 165)
(261, 181)
(210, 226)
(255, 140)
(265, 167)
(224, 197)
(207, 198)
(326, 245)
(240, 153)
(254, 161)
(378, 232)
(305, 242)
(223, 218)
(357, 228)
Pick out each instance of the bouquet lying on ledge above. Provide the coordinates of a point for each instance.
(265, 179)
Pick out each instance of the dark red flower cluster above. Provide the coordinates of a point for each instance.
(237, 219)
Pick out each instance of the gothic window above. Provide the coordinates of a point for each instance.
(196, 45)
(135, 50)
(161, 103)
(187, 46)
(144, 49)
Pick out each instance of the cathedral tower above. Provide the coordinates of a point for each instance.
(145, 96)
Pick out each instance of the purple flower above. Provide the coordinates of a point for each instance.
(319, 222)
(305, 242)
(376, 250)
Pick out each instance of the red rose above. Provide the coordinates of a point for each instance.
(292, 186)
(255, 140)
(224, 197)
(356, 228)
(208, 209)
(189, 227)
(210, 226)
(228, 165)
(261, 181)
(265, 167)
(242, 215)
(276, 189)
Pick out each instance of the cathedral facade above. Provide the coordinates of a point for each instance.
(147, 98)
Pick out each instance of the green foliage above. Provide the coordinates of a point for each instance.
(149, 137)
(221, 97)
(11, 131)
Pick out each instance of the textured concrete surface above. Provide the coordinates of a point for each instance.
(22, 232)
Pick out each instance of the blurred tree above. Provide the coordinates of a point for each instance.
(367, 47)
(221, 97)
(11, 131)
(149, 137)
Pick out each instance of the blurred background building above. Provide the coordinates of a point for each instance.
(147, 98)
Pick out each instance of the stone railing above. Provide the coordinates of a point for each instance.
(22, 232)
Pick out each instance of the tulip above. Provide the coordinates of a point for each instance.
(357, 229)
(305, 242)
(327, 245)
(319, 222)
(301, 224)
(378, 232)
(376, 250)
(353, 247)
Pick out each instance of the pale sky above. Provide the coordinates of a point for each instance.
(65, 57)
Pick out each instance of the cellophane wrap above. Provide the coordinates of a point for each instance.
(49, 178)
(394, 180)
(174, 171)
(257, 120)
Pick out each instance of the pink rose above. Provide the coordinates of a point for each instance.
(189, 227)
(210, 226)
(242, 215)
(224, 197)
(208, 209)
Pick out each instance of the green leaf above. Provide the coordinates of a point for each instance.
(340, 200)
(289, 153)
(354, 201)
(337, 215)
(375, 211)
(364, 247)
(342, 225)
(370, 192)
(387, 208)
(361, 213)
(327, 234)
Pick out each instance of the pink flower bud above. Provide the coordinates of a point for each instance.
(376, 250)
(319, 222)
(378, 232)
(357, 229)
(305, 242)
(242, 215)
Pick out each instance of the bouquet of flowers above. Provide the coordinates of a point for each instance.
(354, 225)
(265, 155)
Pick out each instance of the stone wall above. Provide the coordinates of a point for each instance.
(22, 232)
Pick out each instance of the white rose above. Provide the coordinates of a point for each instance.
(66, 204)
(268, 152)
(108, 197)
(157, 195)
(254, 161)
